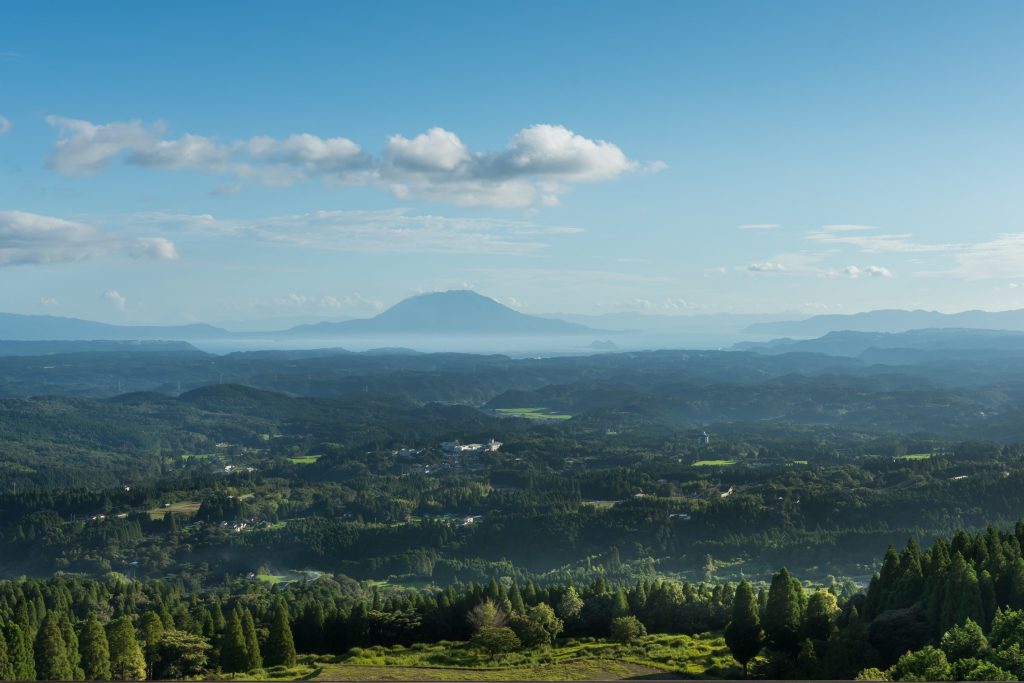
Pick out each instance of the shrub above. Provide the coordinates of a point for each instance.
(627, 629)
(496, 639)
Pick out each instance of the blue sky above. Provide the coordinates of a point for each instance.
(249, 162)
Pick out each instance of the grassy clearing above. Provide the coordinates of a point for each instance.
(187, 508)
(304, 459)
(274, 579)
(659, 656)
(714, 463)
(601, 504)
(532, 413)
(915, 456)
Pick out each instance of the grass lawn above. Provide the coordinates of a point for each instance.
(714, 463)
(658, 656)
(915, 456)
(304, 459)
(188, 508)
(274, 579)
(532, 413)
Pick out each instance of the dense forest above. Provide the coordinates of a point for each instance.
(541, 508)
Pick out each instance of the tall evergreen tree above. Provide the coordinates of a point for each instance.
(51, 653)
(280, 644)
(744, 635)
(784, 614)
(252, 643)
(6, 668)
(19, 650)
(234, 655)
(95, 651)
(127, 662)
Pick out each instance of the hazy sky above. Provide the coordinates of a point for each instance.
(219, 162)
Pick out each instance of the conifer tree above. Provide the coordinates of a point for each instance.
(252, 643)
(6, 668)
(784, 614)
(95, 651)
(19, 650)
(151, 629)
(234, 655)
(51, 653)
(71, 644)
(127, 662)
(280, 644)
(743, 635)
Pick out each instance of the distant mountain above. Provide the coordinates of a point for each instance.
(461, 312)
(730, 323)
(891, 321)
(18, 327)
(912, 346)
(47, 348)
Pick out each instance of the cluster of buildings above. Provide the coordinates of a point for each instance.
(456, 448)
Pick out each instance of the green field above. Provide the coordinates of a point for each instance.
(532, 413)
(304, 459)
(714, 463)
(658, 656)
(187, 507)
(274, 579)
(915, 456)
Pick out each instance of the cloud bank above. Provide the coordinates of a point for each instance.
(29, 238)
(393, 230)
(536, 167)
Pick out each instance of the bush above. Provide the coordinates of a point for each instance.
(627, 629)
(872, 674)
(496, 639)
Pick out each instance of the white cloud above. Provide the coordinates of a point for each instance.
(395, 230)
(188, 151)
(84, 148)
(871, 271)
(767, 267)
(435, 150)
(29, 238)
(323, 304)
(311, 154)
(5, 125)
(535, 168)
(48, 301)
(116, 298)
(842, 235)
(760, 226)
(668, 305)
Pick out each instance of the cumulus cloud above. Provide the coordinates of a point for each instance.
(870, 271)
(394, 230)
(116, 298)
(767, 267)
(313, 155)
(188, 151)
(48, 301)
(534, 168)
(29, 238)
(538, 164)
(84, 148)
(5, 125)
